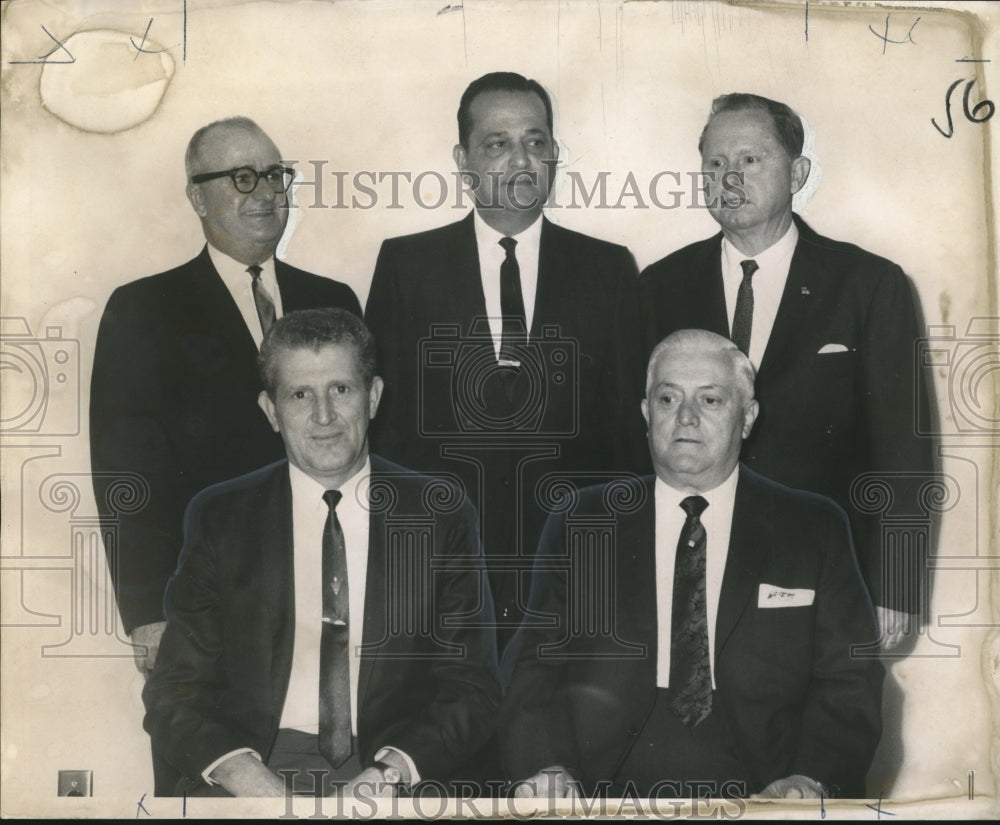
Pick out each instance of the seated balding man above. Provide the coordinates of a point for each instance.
(721, 664)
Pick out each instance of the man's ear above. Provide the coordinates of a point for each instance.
(644, 406)
(750, 416)
(267, 405)
(374, 396)
(197, 199)
(800, 172)
(458, 155)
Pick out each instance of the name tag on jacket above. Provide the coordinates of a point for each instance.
(770, 595)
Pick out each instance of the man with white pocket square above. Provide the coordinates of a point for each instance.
(830, 327)
(720, 662)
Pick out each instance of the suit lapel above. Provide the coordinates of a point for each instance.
(373, 631)
(274, 527)
(637, 590)
(798, 302)
(462, 282)
(291, 299)
(550, 298)
(213, 309)
(705, 295)
(749, 540)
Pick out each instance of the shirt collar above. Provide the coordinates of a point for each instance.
(487, 237)
(770, 258)
(306, 488)
(234, 272)
(726, 491)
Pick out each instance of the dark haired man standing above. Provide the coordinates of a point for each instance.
(830, 328)
(508, 344)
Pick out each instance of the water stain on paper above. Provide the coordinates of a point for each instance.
(110, 87)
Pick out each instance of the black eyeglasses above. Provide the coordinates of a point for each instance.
(245, 178)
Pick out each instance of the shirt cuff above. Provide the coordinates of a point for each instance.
(205, 773)
(414, 773)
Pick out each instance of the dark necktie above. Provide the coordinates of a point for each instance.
(690, 670)
(511, 305)
(334, 650)
(265, 306)
(743, 317)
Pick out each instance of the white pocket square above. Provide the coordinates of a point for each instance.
(832, 348)
(770, 595)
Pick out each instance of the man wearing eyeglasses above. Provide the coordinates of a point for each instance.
(174, 386)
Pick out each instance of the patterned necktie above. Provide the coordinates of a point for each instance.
(743, 317)
(265, 306)
(690, 670)
(334, 649)
(511, 305)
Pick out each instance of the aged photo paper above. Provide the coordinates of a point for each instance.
(99, 99)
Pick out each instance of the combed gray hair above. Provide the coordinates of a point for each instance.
(704, 342)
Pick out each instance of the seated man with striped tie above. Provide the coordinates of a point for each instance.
(329, 615)
(691, 632)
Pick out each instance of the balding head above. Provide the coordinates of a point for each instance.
(219, 130)
(245, 226)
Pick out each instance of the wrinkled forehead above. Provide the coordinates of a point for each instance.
(230, 146)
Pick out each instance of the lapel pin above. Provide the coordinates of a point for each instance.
(805, 290)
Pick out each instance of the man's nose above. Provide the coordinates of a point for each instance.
(325, 410)
(687, 415)
(519, 156)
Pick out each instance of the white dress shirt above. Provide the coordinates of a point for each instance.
(492, 255)
(717, 520)
(240, 285)
(768, 285)
(309, 514)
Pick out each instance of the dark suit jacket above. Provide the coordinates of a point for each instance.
(427, 683)
(795, 700)
(575, 407)
(173, 399)
(824, 418)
